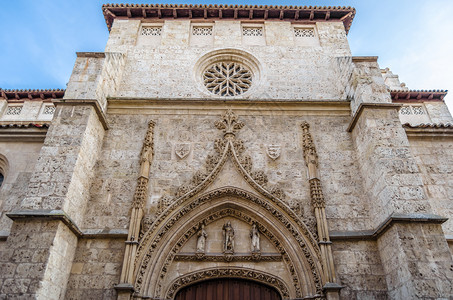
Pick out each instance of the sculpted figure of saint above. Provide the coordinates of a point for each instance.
(228, 237)
(201, 241)
(255, 236)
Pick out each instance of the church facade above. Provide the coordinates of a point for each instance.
(226, 152)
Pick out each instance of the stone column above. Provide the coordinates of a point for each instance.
(43, 239)
(331, 288)
(125, 287)
(414, 253)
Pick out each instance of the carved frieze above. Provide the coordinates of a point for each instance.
(235, 257)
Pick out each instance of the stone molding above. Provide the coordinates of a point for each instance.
(23, 133)
(93, 103)
(62, 216)
(220, 257)
(243, 273)
(91, 54)
(48, 215)
(364, 106)
(427, 131)
(364, 58)
(384, 226)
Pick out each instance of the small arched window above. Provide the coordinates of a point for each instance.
(3, 169)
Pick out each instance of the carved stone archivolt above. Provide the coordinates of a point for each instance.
(219, 214)
(155, 253)
(254, 275)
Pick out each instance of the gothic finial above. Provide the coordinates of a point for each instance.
(229, 123)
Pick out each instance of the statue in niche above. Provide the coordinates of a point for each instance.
(255, 236)
(228, 238)
(201, 241)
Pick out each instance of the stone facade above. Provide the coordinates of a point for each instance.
(213, 142)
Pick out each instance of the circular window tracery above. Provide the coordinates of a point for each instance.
(228, 73)
(227, 78)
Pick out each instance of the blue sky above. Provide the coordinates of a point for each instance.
(39, 38)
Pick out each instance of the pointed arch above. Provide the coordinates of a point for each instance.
(216, 273)
(289, 236)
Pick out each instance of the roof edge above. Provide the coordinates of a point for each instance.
(31, 94)
(313, 14)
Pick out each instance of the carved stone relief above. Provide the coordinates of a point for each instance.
(182, 150)
(228, 238)
(201, 240)
(273, 151)
(255, 239)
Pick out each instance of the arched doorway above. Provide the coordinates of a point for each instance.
(228, 289)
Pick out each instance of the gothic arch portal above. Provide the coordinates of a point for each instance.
(160, 260)
(166, 256)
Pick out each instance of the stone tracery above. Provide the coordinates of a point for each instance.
(227, 79)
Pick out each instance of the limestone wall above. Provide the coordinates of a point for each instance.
(359, 269)
(165, 67)
(438, 112)
(434, 157)
(20, 159)
(96, 268)
(95, 77)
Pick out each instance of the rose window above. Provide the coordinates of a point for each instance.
(227, 78)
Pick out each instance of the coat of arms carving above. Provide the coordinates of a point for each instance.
(273, 151)
(182, 150)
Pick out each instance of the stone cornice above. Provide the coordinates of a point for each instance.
(364, 106)
(429, 130)
(94, 103)
(364, 58)
(23, 131)
(216, 106)
(47, 215)
(384, 226)
(305, 14)
(62, 216)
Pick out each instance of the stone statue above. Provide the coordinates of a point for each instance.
(255, 236)
(228, 238)
(201, 241)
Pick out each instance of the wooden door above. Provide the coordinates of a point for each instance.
(228, 289)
